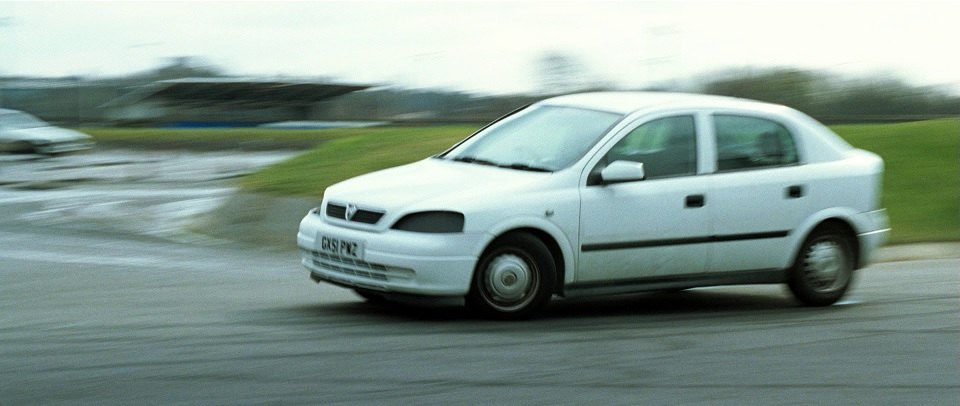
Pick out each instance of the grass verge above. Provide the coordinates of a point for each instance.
(219, 139)
(310, 173)
(921, 185)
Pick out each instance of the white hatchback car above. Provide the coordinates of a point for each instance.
(21, 132)
(606, 193)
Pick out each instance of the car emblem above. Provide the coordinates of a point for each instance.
(351, 211)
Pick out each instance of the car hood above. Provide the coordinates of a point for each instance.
(50, 134)
(432, 184)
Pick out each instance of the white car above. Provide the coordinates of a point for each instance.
(608, 193)
(21, 132)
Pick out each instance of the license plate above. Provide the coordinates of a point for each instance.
(340, 247)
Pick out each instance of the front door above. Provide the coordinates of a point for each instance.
(650, 228)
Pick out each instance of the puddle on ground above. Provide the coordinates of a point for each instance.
(155, 194)
(849, 301)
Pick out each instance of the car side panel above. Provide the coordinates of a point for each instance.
(753, 214)
(643, 229)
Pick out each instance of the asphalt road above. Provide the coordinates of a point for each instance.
(101, 315)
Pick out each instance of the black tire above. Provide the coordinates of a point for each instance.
(514, 278)
(823, 270)
(371, 297)
(22, 147)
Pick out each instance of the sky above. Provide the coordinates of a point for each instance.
(486, 47)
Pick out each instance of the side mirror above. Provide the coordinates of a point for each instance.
(622, 171)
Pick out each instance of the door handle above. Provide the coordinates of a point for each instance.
(794, 192)
(694, 201)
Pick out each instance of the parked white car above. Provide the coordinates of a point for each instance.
(21, 132)
(607, 193)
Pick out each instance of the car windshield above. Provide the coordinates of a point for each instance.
(539, 138)
(20, 120)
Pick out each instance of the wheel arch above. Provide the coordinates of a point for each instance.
(555, 241)
(840, 223)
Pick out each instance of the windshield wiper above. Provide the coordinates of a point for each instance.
(525, 167)
(475, 160)
(518, 166)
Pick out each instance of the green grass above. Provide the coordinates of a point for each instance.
(371, 149)
(921, 185)
(183, 134)
(221, 138)
(922, 176)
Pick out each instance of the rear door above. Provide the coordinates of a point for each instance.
(758, 195)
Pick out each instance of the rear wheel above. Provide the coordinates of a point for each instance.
(824, 267)
(514, 278)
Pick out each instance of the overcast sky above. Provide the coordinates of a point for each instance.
(488, 46)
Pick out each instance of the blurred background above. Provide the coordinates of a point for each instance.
(332, 90)
(315, 64)
(220, 121)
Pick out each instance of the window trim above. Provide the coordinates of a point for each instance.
(589, 179)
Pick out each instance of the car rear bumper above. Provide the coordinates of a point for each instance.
(876, 233)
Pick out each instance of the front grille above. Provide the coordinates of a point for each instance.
(356, 268)
(336, 211)
(339, 211)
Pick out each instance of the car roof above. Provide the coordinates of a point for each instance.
(629, 102)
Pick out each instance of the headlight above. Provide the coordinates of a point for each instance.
(431, 222)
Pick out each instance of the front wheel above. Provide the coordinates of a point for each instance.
(371, 297)
(514, 278)
(823, 270)
(22, 147)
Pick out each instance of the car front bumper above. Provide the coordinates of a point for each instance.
(64, 147)
(393, 261)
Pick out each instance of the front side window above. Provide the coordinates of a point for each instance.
(751, 142)
(666, 147)
(547, 138)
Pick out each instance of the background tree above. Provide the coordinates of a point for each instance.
(560, 73)
(835, 98)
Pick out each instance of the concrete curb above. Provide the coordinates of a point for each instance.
(910, 252)
(272, 220)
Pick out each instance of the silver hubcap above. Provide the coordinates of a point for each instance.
(825, 266)
(509, 281)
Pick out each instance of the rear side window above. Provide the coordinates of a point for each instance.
(666, 147)
(751, 142)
